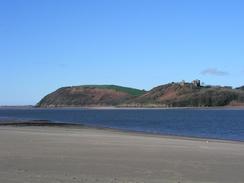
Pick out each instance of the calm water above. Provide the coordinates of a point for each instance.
(209, 123)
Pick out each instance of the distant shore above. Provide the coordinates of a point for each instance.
(119, 108)
(44, 153)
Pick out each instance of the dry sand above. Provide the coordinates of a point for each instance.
(66, 154)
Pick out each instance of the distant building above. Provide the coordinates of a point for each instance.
(196, 83)
(182, 83)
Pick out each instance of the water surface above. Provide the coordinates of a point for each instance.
(222, 123)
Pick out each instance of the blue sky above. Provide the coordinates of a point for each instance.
(46, 44)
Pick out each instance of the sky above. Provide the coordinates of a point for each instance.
(47, 44)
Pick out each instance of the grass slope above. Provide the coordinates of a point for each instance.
(130, 91)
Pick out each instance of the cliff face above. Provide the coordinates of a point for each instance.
(169, 95)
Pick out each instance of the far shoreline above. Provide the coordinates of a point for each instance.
(121, 108)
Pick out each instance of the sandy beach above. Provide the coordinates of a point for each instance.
(41, 154)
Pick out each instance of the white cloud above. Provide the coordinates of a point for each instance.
(214, 72)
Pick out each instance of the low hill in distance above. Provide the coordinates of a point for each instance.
(169, 95)
(89, 95)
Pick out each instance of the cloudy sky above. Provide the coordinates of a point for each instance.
(47, 44)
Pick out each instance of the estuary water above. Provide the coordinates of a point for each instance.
(222, 123)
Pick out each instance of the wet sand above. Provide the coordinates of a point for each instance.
(66, 154)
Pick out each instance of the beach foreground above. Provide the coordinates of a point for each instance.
(68, 154)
